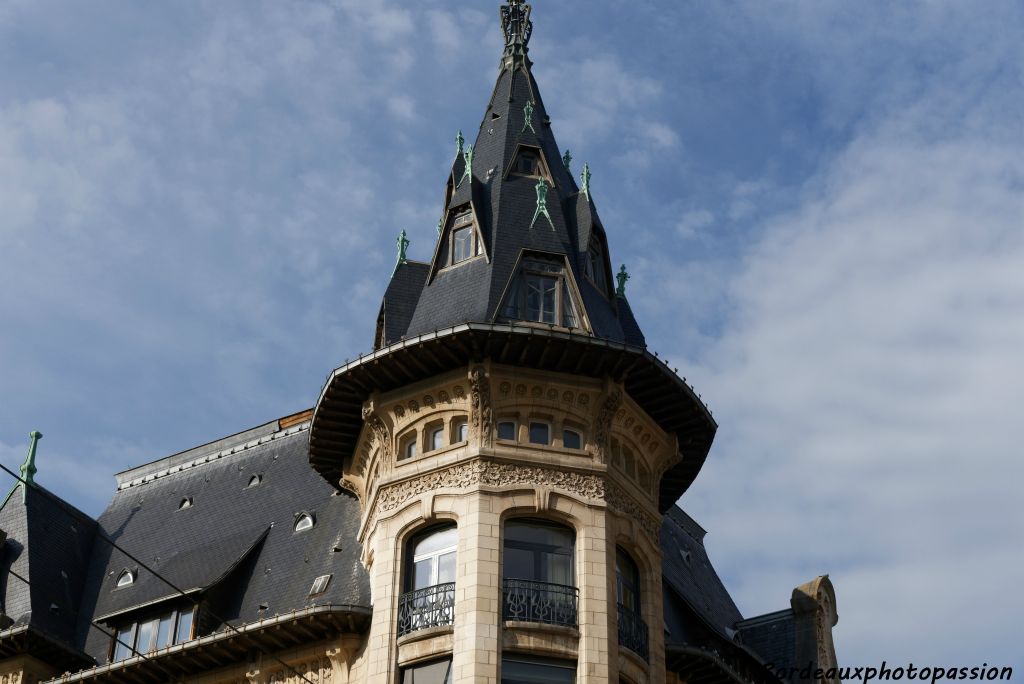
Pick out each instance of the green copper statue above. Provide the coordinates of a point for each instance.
(567, 160)
(459, 142)
(542, 204)
(403, 246)
(468, 171)
(622, 277)
(585, 177)
(528, 115)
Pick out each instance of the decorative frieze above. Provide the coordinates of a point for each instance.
(482, 415)
(603, 424)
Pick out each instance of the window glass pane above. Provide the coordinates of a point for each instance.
(627, 581)
(538, 551)
(436, 540)
(511, 309)
(569, 319)
(462, 244)
(432, 673)
(437, 439)
(305, 522)
(462, 432)
(125, 640)
(507, 430)
(184, 627)
(409, 450)
(446, 568)
(572, 440)
(423, 573)
(163, 632)
(540, 433)
(519, 563)
(147, 634)
(556, 568)
(517, 670)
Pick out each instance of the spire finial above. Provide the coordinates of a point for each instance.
(585, 177)
(622, 277)
(542, 204)
(403, 246)
(467, 157)
(516, 24)
(459, 142)
(28, 469)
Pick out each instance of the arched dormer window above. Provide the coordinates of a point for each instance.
(540, 292)
(304, 521)
(126, 578)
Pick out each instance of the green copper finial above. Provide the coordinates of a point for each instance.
(28, 470)
(542, 204)
(440, 226)
(459, 142)
(403, 246)
(567, 161)
(622, 277)
(585, 177)
(528, 115)
(467, 156)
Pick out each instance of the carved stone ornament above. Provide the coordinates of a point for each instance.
(480, 390)
(380, 433)
(603, 424)
(619, 501)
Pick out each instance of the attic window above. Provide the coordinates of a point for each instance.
(126, 578)
(304, 522)
(320, 585)
(185, 503)
(462, 239)
(541, 293)
(594, 266)
(254, 481)
(528, 163)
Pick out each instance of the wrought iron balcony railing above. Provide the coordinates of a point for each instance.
(429, 607)
(529, 601)
(632, 632)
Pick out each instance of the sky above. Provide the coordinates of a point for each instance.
(821, 205)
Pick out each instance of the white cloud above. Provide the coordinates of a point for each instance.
(693, 222)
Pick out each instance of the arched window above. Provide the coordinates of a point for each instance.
(429, 598)
(539, 577)
(632, 628)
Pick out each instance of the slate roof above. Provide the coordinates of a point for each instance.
(230, 530)
(48, 543)
(504, 205)
(400, 301)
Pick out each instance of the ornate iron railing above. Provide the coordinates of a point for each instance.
(632, 632)
(529, 601)
(429, 607)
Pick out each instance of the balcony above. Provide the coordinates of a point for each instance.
(632, 632)
(543, 602)
(428, 607)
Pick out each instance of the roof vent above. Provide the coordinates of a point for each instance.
(254, 481)
(320, 585)
(303, 522)
(685, 553)
(185, 503)
(126, 578)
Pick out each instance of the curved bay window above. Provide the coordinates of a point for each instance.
(539, 580)
(540, 292)
(429, 598)
(632, 628)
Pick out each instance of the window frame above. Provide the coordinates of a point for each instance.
(300, 519)
(411, 559)
(408, 441)
(458, 425)
(515, 430)
(434, 432)
(462, 218)
(568, 310)
(579, 435)
(546, 424)
(539, 550)
(552, 663)
(411, 668)
(622, 556)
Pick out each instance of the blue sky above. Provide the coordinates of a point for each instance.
(821, 204)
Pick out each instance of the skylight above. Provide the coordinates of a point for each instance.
(126, 578)
(304, 522)
(185, 503)
(320, 585)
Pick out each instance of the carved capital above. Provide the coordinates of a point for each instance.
(603, 422)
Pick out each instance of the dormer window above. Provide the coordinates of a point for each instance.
(185, 503)
(540, 293)
(126, 578)
(594, 266)
(529, 163)
(304, 522)
(463, 243)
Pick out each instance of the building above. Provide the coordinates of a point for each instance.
(489, 495)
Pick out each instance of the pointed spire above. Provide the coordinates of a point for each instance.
(542, 204)
(585, 177)
(517, 27)
(403, 246)
(622, 277)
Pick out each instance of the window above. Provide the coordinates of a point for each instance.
(185, 503)
(517, 669)
(507, 430)
(126, 578)
(572, 439)
(463, 243)
(528, 163)
(254, 481)
(304, 522)
(540, 433)
(152, 634)
(627, 581)
(437, 672)
(429, 598)
(594, 266)
(408, 448)
(539, 551)
(540, 293)
(320, 585)
(460, 431)
(437, 438)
